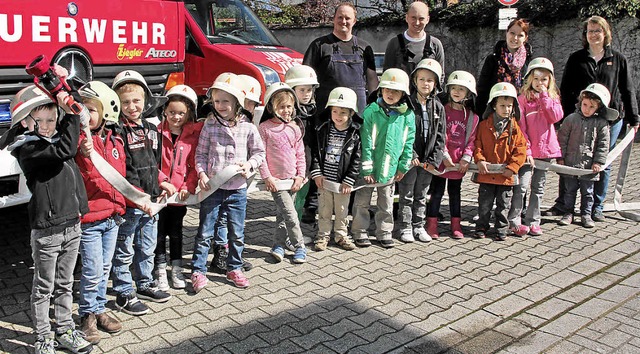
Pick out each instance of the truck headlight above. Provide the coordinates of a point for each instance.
(270, 76)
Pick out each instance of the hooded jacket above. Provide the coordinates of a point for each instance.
(584, 141)
(178, 159)
(387, 142)
(489, 73)
(104, 200)
(349, 166)
(429, 148)
(510, 148)
(58, 194)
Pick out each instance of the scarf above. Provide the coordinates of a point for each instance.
(397, 109)
(510, 65)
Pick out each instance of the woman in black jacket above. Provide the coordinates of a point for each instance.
(507, 63)
(598, 62)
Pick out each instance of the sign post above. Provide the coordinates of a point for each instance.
(506, 15)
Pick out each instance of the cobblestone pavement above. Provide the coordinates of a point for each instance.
(569, 290)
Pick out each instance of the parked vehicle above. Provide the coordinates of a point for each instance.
(169, 42)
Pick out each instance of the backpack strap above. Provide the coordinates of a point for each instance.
(427, 52)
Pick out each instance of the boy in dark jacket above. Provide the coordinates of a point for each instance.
(45, 150)
(584, 140)
(335, 163)
(428, 149)
(137, 236)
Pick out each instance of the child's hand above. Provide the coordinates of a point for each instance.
(184, 194)
(483, 167)
(203, 182)
(270, 183)
(60, 71)
(415, 162)
(369, 179)
(560, 161)
(319, 181)
(168, 188)
(245, 168)
(62, 96)
(86, 147)
(531, 161)
(399, 176)
(297, 183)
(429, 167)
(448, 162)
(146, 208)
(464, 166)
(507, 173)
(345, 188)
(596, 167)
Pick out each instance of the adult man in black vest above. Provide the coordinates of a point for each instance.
(407, 49)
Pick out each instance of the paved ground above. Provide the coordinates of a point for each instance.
(570, 290)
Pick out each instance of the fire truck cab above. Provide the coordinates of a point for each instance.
(169, 42)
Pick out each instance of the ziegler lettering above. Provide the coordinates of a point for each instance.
(47, 29)
(124, 53)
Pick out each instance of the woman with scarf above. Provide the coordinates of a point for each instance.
(507, 63)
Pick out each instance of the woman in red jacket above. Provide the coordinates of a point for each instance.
(180, 133)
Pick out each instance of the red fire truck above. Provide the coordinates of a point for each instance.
(169, 42)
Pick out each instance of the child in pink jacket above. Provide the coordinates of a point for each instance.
(540, 108)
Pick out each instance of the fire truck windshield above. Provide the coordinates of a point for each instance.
(229, 22)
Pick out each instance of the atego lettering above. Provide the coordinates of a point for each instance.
(47, 29)
(154, 53)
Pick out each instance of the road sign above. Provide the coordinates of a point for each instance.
(505, 16)
(508, 2)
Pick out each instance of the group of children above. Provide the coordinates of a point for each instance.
(414, 134)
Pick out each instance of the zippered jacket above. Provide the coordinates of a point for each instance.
(178, 162)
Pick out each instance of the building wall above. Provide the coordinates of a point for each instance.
(466, 50)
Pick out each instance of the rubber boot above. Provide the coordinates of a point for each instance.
(456, 229)
(432, 227)
(177, 278)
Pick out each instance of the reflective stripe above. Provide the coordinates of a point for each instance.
(374, 135)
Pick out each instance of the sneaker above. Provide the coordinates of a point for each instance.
(154, 294)
(198, 281)
(588, 222)
(45, 346)
(219, 263)
(480, 234)
(237, 278)
(421, 234)
(247, 266)
(535, 230)
(387, 243)
(566, 219)
(74, 341)
(320, 244)
(131, 305)
(108, 323)
(520, 230)
(406, 235)
(277, 252)
(346, 244)
(598, 216)
(300, 256)
(501, 236)
(177, 278)
(553, 211)
(160, 275)
(362, 242)
(89, 327)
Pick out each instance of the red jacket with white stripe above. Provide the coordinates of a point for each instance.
(178, 159)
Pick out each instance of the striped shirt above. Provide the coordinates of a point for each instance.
(333, 153)
(221, 146)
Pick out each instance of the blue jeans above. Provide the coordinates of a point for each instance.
(600, 186)
(137, 238)
(234, 204)
(97, 245)
(573, 184)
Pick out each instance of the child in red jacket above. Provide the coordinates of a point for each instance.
(180, 133)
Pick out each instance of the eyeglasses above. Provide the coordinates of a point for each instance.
(590, 32)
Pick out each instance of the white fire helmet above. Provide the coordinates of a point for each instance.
(25, 101)
(431, 65)
(602, 92)
(343, 97)
(301, 75)
(184, 91)
(462, 78)
(539, 63)
(503, 89)
(276, 87)
(98, 90)
(252, 88)
(395, 79)
(229, 83)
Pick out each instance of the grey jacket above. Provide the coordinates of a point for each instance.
(584, 141)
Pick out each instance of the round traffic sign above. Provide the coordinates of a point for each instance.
(508, 2)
